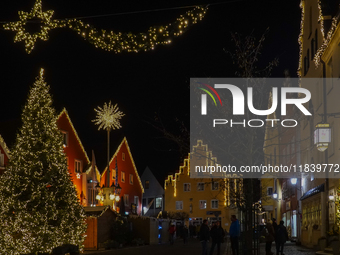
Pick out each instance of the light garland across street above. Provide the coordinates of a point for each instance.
(106, 40)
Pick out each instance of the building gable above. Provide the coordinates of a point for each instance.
(65, 124)
(198, 197)
(76, 155)
(128, 177)
(127, 161)
(155, 189)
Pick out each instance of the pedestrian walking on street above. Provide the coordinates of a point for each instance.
(234, 232)
(268, 233)
(172, 231)
(274, 224)
(185, 233)
(275, 228)
(217, 237)
(281, 236)
(204, 237)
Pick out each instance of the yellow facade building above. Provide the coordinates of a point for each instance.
(319, 58)
(201, 198)
(270, 184)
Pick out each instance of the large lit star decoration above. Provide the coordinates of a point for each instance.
(108, 117)
(106, 40)
(20, 26)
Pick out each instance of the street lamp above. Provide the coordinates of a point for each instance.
(118, 189)
(322, 136)
(275, 195)
(293, 181)
(112, 196)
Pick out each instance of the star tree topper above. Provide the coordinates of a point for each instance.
(36, 13)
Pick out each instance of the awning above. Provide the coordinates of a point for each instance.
(313, 191)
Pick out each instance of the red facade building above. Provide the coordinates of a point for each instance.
(4, 155)
(128, 178)
(84, 174)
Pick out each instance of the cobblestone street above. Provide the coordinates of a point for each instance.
(192, 247)
(290, 249)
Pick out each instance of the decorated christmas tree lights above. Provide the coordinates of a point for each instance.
(39, 207)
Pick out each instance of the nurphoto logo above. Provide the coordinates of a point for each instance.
(238, 99)
(239, 104)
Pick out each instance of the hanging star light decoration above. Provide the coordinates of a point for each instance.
(107, 40)
(108, 117)
(20, 26)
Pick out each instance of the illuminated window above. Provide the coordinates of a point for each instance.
(200, 186)
(113, 174)
(131, 179)
(123, 156)
(65, 138)
(78, 166)
(92, 193)
(147, 184)
(136, 200)
(126, 199)
(179, 205)
(159, 201)
(203, 204)
(187, 186)
(122, 177)
(214, 204)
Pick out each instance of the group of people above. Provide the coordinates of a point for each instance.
(217, 236)
(216, 233)
(272, 233)
(183, 231)
(278, 233)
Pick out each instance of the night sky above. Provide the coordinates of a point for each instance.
(143, 84)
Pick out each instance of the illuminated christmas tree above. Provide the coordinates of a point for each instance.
(39, 208)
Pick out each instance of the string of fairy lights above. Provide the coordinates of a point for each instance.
(326, 37)
(326, 41)
(300, 40)
(39, 207)
(106, 40)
